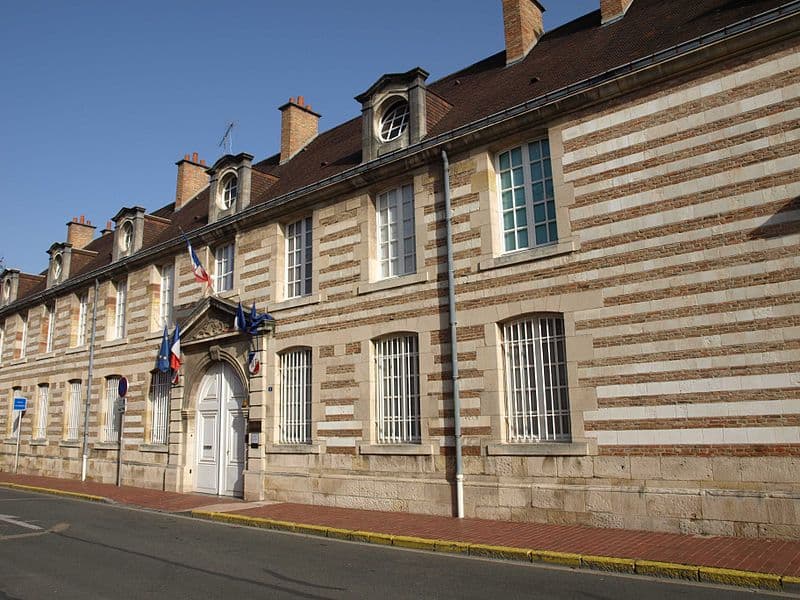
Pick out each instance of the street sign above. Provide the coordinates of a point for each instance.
(20, 404)
(123, 387)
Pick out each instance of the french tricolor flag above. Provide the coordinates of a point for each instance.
(200, 274)
(175, 354)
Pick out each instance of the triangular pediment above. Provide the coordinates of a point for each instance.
(209, 319)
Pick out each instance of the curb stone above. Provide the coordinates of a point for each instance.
(651, 568)
(54, 492)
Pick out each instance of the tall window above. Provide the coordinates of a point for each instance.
(160, 389)
(397, 254)
(223, 268)
(42, 401)
(50, 315)
(527, 200)
(111, 425)
(2, 338)
(397, 380)
(298, 258)
(120, 309)
(83, 309)
(296, 397)
(14, 416)
(537, 401)
(73, 413)
(165, 296)
(23, 348)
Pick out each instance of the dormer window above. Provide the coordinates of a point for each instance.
(58, 267)
(394, 121)
(7, 290)
(230, 191)
(126, 239)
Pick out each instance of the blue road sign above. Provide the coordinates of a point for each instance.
(20, 404)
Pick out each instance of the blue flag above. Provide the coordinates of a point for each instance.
(240, 323)
(162, 363)
(256, 320)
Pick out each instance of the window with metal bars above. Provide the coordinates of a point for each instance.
(537, 400)
(397, 394)
(165, 296)
(223, 268)
(13, 415)
(295, 418)
(73, 412)
(397, 253)
(160, 391)
(527, 199)
(83, 309)
(111, 426)
(42, 402)
(299, 242)
(120, 308)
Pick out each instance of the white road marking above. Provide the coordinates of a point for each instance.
(13, 521)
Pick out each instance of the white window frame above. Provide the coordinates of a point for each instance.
(299, 245)
(394, 120)
(42, 404)
(526, 192)
(120, 309)
(110, 413)
(83, 309)
(223, 268)
(165, 305)
(295, 407)
(126, 238)
(24, 342)
(396, 232)
(73, 413)
(50, 312)
(2, 339)
(537, 389)
(160, 397)
(229, 191)
(397, 392)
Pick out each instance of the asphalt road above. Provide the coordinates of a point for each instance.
(52, 547)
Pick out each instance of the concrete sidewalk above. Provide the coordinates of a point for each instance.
(773, 564)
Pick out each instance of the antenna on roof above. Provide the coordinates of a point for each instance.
(227, 140)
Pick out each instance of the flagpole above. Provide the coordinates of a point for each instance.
(85, 459)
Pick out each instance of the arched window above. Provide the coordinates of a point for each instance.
(229, 191)
(394, 121)
(537, 400)
(397, 393)
(111, 409)
(160, 392)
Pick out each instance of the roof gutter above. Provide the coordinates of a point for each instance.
(739, 28)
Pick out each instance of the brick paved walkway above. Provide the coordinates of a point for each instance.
(760, 555)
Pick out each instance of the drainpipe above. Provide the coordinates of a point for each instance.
(451, 293)
(85, 460)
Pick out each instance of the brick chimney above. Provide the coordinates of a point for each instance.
(109, 228)
(613, 9)
(299, 125)
(80, 232)
(523, 24)
(192, 178)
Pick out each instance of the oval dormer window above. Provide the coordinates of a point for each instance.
(7, 290)
(230, 191)
(58, 267)
(394, 121)
(127, 237)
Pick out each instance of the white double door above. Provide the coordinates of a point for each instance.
(220, 433)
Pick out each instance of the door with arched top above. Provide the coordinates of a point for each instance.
(220, 432)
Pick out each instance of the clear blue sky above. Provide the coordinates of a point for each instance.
(99, 99)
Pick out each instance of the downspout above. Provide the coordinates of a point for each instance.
(451, 294)
(85, 460)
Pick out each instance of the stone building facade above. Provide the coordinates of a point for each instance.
(624, 242)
